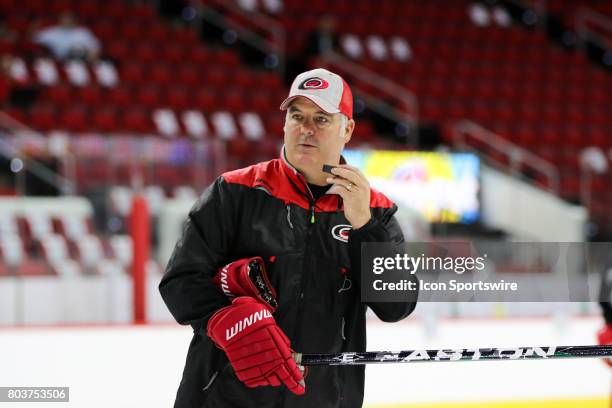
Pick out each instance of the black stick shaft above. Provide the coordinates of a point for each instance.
(481, 354)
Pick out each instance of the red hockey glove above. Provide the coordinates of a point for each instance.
(604, 336)
(247, 277)
(256, 347)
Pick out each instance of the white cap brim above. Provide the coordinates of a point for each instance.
(321, 103)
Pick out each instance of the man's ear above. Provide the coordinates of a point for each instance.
(348, 130)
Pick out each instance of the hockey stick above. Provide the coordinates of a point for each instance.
(415, 356)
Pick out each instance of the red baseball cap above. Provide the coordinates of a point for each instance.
(325, 89)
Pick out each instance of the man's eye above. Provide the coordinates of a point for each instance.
(296, 117)
(322, 119)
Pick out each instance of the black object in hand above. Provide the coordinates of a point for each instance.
(327, 168)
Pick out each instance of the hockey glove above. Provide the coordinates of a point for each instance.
(604, 336)
(247, 277)
(256, 347)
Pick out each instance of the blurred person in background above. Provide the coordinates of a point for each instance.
(322, 41)
(289, 232)
(68, 40)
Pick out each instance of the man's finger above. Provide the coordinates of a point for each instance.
(348, 166)
(292, 377)
(346, 174)
(303, 371)
(352, 170)
(338, 189)
(354, 176)
(273, 379)
(255, 382)
(349, 185)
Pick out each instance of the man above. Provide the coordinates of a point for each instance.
(295, 216)
(69, 40)
(320, 42)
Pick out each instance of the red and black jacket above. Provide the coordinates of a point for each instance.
(267, 210)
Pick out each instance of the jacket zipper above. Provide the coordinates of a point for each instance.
(306, 258)
(297, 332)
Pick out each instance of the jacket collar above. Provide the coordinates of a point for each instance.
(296, 178)
(288, 167)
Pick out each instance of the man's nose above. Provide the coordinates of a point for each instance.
(308, 127)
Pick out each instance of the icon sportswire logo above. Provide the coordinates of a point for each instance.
(341, 231)
(246, 322)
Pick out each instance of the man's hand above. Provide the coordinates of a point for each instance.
(604, 336)
(256, 347)
(354, 188)
(247, 277)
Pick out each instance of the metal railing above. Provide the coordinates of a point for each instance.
(519, 159)
(408, 112)
(586, 18)
(21, 143)
(404, 110)
(137, 156)
(275, 45)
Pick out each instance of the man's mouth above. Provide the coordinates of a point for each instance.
(306, 145)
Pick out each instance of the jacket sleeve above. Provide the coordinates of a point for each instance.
(383, 229)
(187, 286)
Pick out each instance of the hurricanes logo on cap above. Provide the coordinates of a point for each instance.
(313, 83)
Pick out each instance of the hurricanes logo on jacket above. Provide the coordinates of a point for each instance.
(246, 322)
(313, 83)
(341, 231)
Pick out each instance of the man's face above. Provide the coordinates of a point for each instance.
(312, 136)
